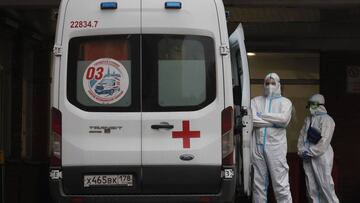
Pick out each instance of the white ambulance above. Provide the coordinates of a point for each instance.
(142, 103)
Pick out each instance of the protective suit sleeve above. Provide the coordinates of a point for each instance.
(260, 123)
(281, 119)
(301, 145)
(257, 121)
(327, 130)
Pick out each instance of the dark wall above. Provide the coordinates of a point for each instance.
(24, 115)
(345, 109)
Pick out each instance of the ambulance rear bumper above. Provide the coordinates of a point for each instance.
(224, 194)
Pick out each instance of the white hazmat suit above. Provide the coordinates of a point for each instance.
(318, 158)
(271, 115)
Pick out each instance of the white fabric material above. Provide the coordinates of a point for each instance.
(319, 183)
(317, 98)
(312, 111)
(271, 115)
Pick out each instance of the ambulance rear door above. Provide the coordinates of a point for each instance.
(182, 97)
(243, 118)
(99, 97)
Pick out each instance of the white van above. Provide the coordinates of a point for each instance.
(142, 103)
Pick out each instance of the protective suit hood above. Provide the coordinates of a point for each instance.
(318, 98)
(270, 90)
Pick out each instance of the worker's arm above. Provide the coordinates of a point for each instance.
(281, 119)
(260, 123)
(301, 140)
(327, 130)
(257, 121)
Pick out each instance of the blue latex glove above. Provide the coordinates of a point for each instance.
(258, 114)
(306, 156)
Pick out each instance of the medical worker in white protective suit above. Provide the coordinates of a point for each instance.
(317, 154)
(271, 115)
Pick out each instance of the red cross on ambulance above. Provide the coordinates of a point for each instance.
(186, 134)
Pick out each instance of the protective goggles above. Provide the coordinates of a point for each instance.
(313, 104)
(272, 82)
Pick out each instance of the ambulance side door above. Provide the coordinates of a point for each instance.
(243, 120)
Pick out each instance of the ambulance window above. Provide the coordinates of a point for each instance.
(239, 67)
(103, 73)
(179, 72)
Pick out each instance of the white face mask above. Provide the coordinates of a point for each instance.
(313, 110)
(270, 90)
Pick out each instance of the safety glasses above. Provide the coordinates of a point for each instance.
(270, 82)
(313, 105)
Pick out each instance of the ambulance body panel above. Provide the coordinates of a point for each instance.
(143, 104)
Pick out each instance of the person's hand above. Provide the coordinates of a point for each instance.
(306, 156)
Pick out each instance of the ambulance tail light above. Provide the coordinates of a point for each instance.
(227, 125)
(77, 200)
(55, 138)
(205, 200)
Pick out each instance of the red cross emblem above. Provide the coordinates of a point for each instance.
(186, 134)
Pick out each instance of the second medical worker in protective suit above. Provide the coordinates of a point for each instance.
(271, 115)
(317, 154)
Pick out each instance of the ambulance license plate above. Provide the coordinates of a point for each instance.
(108, 180)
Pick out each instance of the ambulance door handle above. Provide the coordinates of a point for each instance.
(162, 125)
